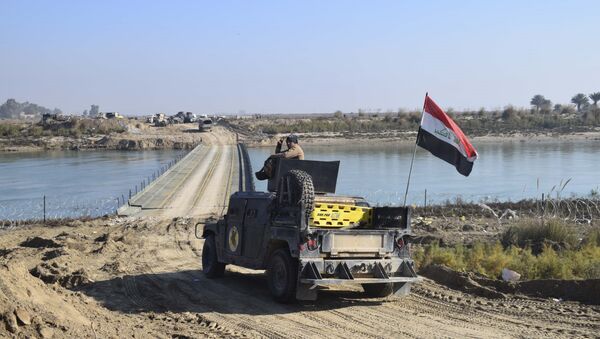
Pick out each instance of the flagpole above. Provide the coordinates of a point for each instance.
(413, 156)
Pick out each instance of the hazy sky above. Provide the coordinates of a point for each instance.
(140, 57)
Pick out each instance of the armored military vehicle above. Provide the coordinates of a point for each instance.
(160, 120)
(307, 238)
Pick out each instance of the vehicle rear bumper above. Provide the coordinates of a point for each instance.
(315, 272)
(319, 271)
(335, 281)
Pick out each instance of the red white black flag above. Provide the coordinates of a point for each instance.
(443, 138)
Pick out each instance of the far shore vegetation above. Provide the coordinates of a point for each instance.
(582, 114)
(74, 127)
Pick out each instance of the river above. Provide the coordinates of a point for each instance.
(74, 183)
(89, 183)
(504, 171)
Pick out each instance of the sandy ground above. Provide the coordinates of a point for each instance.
(140, 277)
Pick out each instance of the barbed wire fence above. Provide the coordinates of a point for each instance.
(580, 209)
(21, 211)
(17, 212)
(123, 199)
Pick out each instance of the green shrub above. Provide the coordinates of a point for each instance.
(537, 234)
(10, 130)
(592, 238)
(489, 259)
(36, 131)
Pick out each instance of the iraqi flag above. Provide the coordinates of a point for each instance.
(443, 138)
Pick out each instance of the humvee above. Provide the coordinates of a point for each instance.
(205, 125)
(306, 237)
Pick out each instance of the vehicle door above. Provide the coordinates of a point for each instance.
(255, 223)
(233, 232)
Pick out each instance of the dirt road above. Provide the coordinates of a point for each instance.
(140, 277)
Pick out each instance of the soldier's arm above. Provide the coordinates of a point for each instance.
(278, 147)
(291, 153)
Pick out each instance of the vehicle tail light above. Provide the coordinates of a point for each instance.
(400, 242)
(312, 244)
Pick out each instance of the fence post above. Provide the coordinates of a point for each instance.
(543, 208)
(44, 208)
(130, 193)
(425, 205)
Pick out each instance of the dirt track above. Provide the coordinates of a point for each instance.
(139, 277)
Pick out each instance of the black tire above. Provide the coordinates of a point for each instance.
(302, 188)
(211, 267)
(378, 290)
(282, 274)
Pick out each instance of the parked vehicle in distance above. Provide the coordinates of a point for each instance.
(205, 125)
(189, 117)
(113, 115)
(160, 120)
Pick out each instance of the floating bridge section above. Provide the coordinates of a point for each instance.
(157, 194)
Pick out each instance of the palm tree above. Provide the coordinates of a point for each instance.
(538, 101)
(579, 99)
(595, 97)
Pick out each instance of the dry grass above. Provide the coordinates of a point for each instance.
(536, 234)
(489, 260)
(573, 259)
(74, 127)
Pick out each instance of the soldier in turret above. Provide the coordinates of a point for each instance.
(294, 151)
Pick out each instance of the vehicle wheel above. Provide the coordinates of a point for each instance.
(378, 290)
(282, 274)
(302, 189)
(211, 267)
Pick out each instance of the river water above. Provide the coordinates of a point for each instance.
(504, 171)
(89, 183)
(74, 183)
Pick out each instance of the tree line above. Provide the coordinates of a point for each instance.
(12, 109)
(581, 101)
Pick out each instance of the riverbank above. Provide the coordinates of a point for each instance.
(136, 136)
(409, 138)
(522, 126)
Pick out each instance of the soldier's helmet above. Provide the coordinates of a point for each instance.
(292, 138)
